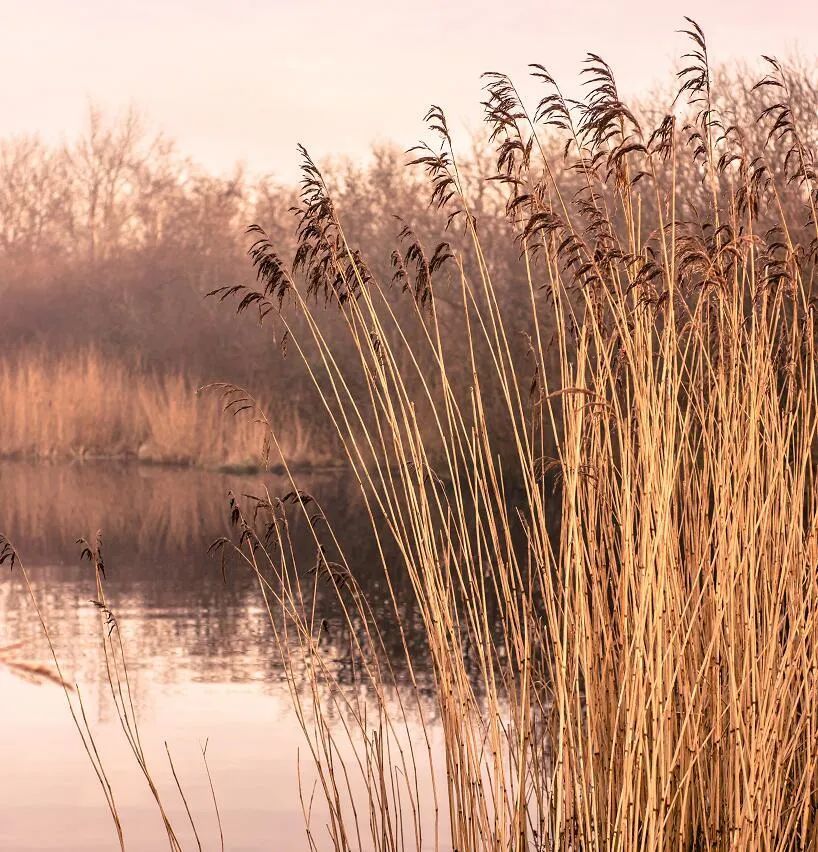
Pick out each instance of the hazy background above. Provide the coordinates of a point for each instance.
(247, 79)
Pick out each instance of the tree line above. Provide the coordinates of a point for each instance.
(113, 239)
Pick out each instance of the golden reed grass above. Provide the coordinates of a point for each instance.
(644, 676)
(86, 406)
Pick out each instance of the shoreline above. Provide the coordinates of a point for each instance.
(133, 459)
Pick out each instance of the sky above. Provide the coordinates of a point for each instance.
(246, 80)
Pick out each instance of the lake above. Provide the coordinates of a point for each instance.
(200, 650)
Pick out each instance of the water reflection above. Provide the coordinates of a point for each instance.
(201, 652)
(176, 609)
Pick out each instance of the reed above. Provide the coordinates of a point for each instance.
(117, 678)
(87, 406)
(641, 674)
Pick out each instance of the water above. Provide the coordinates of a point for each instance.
(202, 660)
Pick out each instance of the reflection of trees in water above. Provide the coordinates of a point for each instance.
(179, 618)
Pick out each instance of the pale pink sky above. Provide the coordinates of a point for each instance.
(248, 79)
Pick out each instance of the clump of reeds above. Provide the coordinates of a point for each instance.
(641, 673)
(88, 406)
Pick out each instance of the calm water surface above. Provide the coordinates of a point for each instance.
(201, 654)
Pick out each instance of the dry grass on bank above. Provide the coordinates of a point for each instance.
(85, 406)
